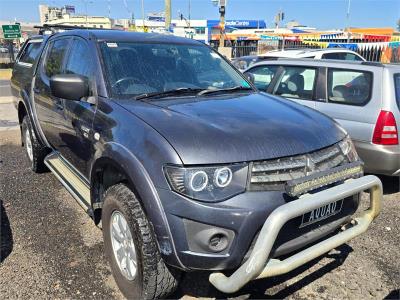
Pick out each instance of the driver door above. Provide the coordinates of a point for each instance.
(76, 135)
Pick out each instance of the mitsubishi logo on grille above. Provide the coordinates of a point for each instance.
(310, 166)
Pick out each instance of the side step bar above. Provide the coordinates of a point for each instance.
(78, 188)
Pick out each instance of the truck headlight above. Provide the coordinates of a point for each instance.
(210, 183)
(348, 149)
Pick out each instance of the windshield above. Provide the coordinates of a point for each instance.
(134, 69)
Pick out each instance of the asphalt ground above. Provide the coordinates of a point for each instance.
(5, 90)
(51, 249)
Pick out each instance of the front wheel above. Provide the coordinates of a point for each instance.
(131, 248)
(35, 151)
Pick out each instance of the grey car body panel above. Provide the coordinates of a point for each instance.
(134, 147)
(247, 127)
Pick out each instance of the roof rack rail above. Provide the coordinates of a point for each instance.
(54, 28)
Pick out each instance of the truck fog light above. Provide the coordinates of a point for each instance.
(198, 181)
(223, 177)
(218, 242)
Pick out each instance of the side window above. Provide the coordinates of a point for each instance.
(79, 60)
(334, 55)
(352, 56)
(30, 53)
(296, 82)
(397, 88)
(349, 87)
(55, 57)
(263, 76)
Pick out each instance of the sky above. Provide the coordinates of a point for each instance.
(323, 14)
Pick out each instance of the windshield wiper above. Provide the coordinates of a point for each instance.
(168, 93)
(232, 89)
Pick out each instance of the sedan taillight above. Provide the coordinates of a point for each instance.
(385, 132)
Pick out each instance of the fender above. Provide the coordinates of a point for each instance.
(123, 159)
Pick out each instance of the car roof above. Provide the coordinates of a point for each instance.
(311, 50)
(128, 36)
(301, 52)
(323, 62)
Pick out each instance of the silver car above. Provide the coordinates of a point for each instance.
(244, 62)
(363, 97)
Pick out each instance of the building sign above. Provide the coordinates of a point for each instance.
(239, 23)
(12, 31)
(156, 17)
(69, 9)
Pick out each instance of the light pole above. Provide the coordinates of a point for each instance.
(143, 15)
(189, 14)
(85, 2)
(222, 6)
(348, 21)
(167, 14)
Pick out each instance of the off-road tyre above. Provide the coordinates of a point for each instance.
(39, 151)
(153, 279)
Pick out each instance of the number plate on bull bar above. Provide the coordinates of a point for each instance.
(321, 213)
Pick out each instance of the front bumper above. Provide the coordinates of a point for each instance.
(260, 265)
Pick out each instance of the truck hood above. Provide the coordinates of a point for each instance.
(237, 128)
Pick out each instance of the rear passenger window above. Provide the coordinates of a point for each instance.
(349, 87)
(30, 53)
(55, 57)
(296, 82)
(263, 76)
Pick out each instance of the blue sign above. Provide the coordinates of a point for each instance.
(239, 23)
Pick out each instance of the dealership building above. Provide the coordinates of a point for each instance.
(201, 30)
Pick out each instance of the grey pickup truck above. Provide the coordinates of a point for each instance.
(183, 162)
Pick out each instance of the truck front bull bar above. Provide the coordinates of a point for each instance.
(259, 265)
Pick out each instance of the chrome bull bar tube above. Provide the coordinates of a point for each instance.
(260, 266)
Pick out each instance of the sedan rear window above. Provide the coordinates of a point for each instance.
(397, 88)
(349, 87)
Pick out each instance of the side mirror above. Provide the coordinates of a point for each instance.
(249, 76)
(69, 86)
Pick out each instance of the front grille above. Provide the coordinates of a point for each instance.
(270, 175)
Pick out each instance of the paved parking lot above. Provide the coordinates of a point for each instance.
(50, 248)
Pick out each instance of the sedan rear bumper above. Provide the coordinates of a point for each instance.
(379, 159)
(259, 264)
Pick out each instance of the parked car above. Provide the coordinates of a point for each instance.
(186, 164)
(363, 97)
(3, 50)
(330, 53)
